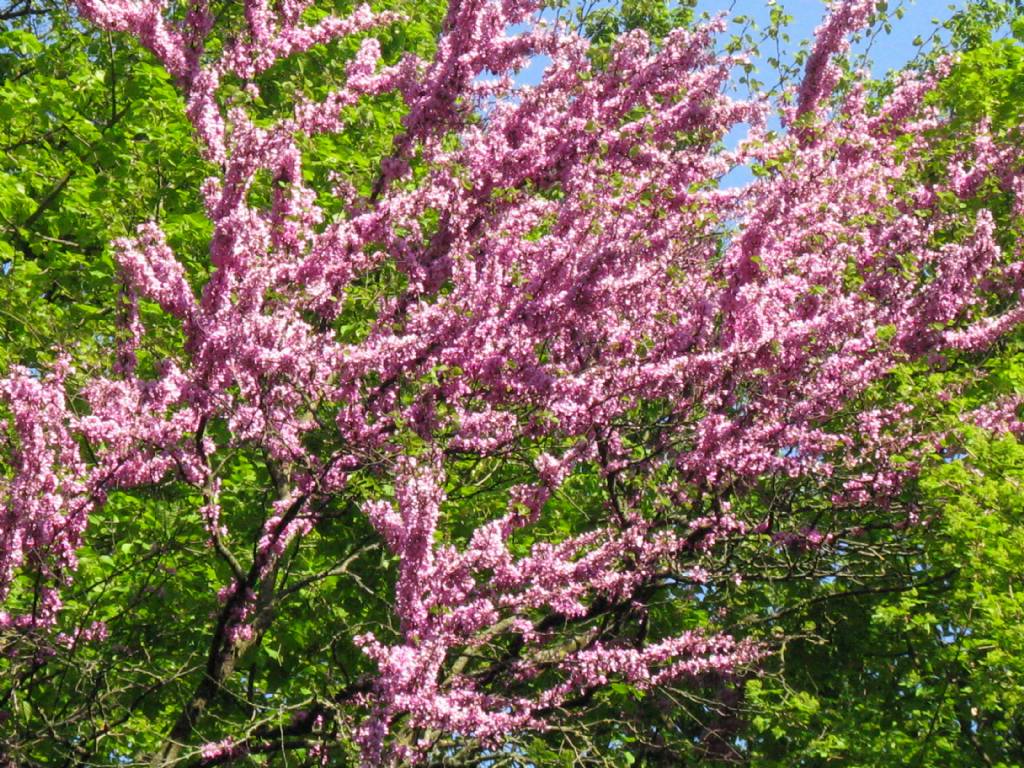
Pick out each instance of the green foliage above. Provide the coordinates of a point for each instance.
(94, 141)
(926, 666)
(604, 23)
(988, 83)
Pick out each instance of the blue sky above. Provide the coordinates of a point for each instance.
(889, 51)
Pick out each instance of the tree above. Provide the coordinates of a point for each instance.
(427, 460)
(913, 660)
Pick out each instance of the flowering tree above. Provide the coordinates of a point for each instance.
(515, 388)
